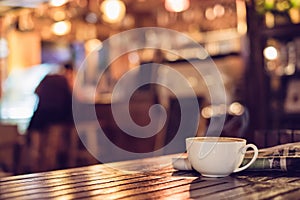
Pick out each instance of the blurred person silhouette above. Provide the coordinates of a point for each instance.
(49, 128)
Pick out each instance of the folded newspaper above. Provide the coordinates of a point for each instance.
(285, 157)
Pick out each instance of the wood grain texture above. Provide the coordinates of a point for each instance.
(162, 182)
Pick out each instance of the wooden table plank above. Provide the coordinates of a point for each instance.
(83, 183)
(177, 191)
(157, 180)
(291, 194)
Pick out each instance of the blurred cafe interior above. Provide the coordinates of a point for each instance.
(255, 45)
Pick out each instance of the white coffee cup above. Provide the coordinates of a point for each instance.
(218, 156)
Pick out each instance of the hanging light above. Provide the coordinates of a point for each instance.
(61, 28)
(270, 53)
(59, 15)
(177, 5)
(57, 3)
(113, 10)
(92, 45)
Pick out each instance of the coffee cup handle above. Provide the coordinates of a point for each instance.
(253, 158)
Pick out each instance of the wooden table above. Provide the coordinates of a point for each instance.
(156, 182)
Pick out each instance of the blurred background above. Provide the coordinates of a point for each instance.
(254, 43)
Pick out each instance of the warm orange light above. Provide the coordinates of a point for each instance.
(177, 5)
(236, 109)
(61, 28)
(57, 3)
(59, 15)
(113, 10)
(92, 45)
(270, 53)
